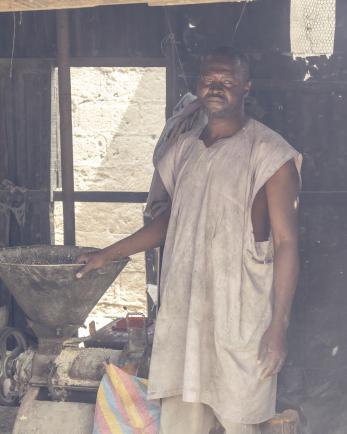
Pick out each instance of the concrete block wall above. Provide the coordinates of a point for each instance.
(118, 115)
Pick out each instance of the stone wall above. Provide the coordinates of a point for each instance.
(118, 114)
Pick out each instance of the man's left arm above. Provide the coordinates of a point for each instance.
(282, 193)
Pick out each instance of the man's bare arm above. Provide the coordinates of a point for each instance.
(282, 192)
(150, 236)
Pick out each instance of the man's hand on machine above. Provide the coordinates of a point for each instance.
(92, 261)
(150, 236)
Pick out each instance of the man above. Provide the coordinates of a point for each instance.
(230, 262)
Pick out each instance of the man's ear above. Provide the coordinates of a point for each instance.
(248, 87)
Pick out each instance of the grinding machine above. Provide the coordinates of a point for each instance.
(54, 378)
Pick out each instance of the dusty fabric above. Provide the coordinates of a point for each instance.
(195, 418)
(216, 281)
(186, 116)
(13, 200)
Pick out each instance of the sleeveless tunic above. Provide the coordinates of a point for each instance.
(217, 282)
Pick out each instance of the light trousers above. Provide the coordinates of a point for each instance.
(178, 417)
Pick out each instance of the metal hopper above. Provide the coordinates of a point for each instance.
(43, 281)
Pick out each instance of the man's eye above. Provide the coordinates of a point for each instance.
(228, 83)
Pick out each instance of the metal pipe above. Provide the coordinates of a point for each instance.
(66, 141)
(105, 196)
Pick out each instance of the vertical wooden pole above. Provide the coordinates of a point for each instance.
(171, 100)
(171, 64)
(66, 142)
(171, 79)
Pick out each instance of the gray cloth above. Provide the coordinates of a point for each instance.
(12, 201)
(217, 282)
(187, 115)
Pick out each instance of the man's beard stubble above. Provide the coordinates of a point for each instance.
(224, 113)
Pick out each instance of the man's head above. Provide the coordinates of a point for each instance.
(224, 82)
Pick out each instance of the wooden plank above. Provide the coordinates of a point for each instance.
(5, 130)
(31, 144)
(31, 5)
(114, 62)
(4, 229)
(329, 197)
(36, 5)
(66, 137)
(25, 156)
(172, 88)
(105, 196)
(190, 2)
(317, 86)
(95, 62)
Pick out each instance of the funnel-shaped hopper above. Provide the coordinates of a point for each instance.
(43, 281)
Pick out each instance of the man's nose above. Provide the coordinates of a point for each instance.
(216, 85)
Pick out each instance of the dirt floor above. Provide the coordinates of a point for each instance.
(7, 417)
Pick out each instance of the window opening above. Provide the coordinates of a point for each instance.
(118, 114)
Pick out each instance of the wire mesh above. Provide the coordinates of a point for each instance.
(312, 27)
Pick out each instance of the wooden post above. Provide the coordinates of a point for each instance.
(287, 422)
(171, 64)
(66, 141)
(171, 79)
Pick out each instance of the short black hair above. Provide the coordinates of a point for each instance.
(232, 55)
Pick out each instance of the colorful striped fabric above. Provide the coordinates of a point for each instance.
(122, 406)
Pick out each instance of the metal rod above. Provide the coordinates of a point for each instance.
(307, 197)
(331, 197)
(105, 196)
(66, 142)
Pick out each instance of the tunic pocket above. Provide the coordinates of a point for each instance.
(256, 292)
(262, 252)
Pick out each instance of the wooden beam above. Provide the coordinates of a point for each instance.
(105, 196)
(36, 5)
(94, 62)
(121, 62)
(172, 92)
(190, 2)
(66, 141)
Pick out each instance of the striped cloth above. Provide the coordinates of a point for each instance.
(122, 406)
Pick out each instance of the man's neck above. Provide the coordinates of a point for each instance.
(222, 127)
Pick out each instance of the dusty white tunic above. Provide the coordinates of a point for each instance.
(216, 281)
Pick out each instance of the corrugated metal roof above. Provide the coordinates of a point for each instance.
(27, 5)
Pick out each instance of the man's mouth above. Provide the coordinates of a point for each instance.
(217, 98)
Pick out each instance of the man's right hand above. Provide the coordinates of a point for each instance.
(92, 261)
(150, 236)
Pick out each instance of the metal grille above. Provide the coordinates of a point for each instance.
(312, 27)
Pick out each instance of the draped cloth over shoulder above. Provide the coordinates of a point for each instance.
(187, 116)
(217, 282)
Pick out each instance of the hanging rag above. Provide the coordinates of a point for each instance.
(12, 201)
(187, 115)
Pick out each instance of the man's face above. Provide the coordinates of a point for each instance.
(222, 86)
